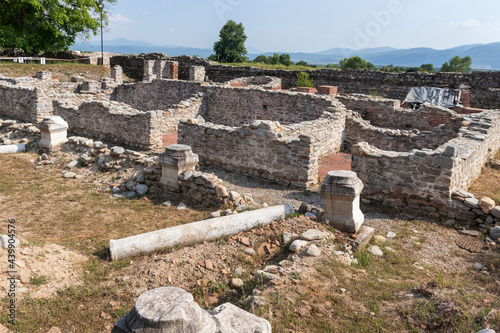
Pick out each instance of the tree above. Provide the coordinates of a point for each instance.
(285, 59)
(353, 63)
(457, 64)
(231, 44)
(48, 25)
(427, 68)
(275, 59)
(261, 59)
(302, 63)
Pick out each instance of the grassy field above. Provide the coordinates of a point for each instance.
(487, 185)
(61, 71)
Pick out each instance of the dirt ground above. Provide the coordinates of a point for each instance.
(61, 72)
(423, 282)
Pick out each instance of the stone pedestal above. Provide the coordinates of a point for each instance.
(340, 193)
(54, 132)
(176, 160)
(149, 74)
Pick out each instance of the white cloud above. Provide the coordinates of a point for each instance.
(474, 24)
(118, 18)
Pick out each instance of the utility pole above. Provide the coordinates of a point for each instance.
(101, 8)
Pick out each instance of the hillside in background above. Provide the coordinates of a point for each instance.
(484, 56)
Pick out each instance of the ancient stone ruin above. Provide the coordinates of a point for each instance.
(240, 120)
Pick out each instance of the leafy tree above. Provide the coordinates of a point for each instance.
(302, 63)
(427, 68)
(353, 63)
(285, 59)
(48, 25)
(412, 69)
(262, 59)
(458, 64)
(231, 44)
(370, 66)
(332, 66)
(275, 59)
(303, 80)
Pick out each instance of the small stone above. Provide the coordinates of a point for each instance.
(288, 237)
(265, 276)
(313, 251)
(237, 283)
(54, 329)
(250, 251)
(167, 204)
(486, 330)
(495, 232)
(376, 251)
(241, 208)
(141, 178)
(245, 241)
(233, 196)
(379, 238)
(72, 164)
(248, 197)
(230, 318)
(6, 240)
(473, 233)
(44, 157)
(312, 234)
(130, 185)
(297, 245)
(181, 206)
(471, 203)
(25, 276)
(478, 267)
(389, 249)
(496, 212)
(214, 214)
(228, 212)
(390, 234)
(130, 194)
(309, 215)
(239, 271)
(117, 151)
(265, 205)
(69, 175)
(487, 204)
(304, 208)
(141, 189)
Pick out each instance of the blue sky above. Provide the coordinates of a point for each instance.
(309, 26)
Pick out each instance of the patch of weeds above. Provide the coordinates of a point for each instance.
(364, 258)
(38, 280)
(181, 263)
(295, 275)
(117, 265)
(306, 193)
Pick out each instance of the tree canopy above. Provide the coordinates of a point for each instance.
(231, 44)
(458, 64)
(48, 25)
(356, 63)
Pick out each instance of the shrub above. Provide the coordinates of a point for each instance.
(303, 80)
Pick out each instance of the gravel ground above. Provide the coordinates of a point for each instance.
(436, 244)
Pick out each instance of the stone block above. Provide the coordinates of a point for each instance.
(54, 131)
(229, 318)
(167, 310)
(487, 204)
(197, 73)
(340, 192)
(176, 159)
(327, 90)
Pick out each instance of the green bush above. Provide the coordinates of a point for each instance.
(303, 80)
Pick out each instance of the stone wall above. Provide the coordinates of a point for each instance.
(421, 182)
(237, 106)
(155, 95)
(389, 113)
(400, 140)
(484, 86)
(112, 121)
(30, 99)
(255, 150)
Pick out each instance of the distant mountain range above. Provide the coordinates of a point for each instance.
(484, 56)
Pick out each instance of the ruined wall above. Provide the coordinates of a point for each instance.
(237, 106)
(255, 150)
(399, 140)
(18, 102)
(155, 95)
(421, 182)
(29, 99)
(112, 121)
(388, 112)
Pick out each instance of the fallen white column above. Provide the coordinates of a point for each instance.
(197, 232)
(7, 149)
